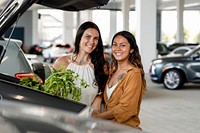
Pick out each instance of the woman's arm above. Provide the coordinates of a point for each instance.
(104, 115)
(96, 104)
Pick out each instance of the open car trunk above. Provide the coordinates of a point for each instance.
(11, 90)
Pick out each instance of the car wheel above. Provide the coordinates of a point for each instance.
(173, 80)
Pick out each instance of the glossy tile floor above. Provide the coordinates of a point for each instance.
(171, 111)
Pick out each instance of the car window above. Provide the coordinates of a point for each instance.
(196, 55)
(198, 52)
(162, 49)
(181, 51)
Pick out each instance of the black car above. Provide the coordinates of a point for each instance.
(162, 49)
(176, 45)
(174, 71)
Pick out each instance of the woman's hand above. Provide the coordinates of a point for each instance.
(104, 115)
(96, 105)
(95, 114)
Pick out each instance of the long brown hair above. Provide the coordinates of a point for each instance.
(134, 57)
(97, 56)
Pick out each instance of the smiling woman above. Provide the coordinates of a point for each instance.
(126, 83)
(88, 62)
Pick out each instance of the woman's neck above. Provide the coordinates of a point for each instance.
(124, 65)
(82, 58)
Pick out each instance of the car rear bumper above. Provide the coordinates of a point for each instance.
(155, 79)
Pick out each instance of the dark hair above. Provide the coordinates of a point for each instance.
(134, 57)
(97, 55)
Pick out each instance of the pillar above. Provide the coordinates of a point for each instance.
(68, 20)
(125, 12)
(113, 24)
(35, 38)
(146, 30)
(180, 30)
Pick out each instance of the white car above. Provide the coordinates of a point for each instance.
(180, 51)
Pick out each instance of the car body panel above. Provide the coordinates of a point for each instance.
(16, 117)
(72, 5)
(188, 65)
(16, 92)
(14, 60)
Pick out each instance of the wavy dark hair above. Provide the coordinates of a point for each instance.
(97, 55)
(134, 57)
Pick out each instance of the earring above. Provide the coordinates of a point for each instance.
(132, 51)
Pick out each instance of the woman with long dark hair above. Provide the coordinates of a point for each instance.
(88, 61)
(126, 84)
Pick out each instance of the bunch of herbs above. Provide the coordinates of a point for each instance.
(59, 83)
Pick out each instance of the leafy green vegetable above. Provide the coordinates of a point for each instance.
(59, 83)
(31, 82)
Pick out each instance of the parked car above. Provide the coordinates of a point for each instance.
(177, 44)
(180, 50)
(162, 49)
(52, 52)
(174, 71)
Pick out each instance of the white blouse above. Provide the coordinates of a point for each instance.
(86, 73)
(110, 90)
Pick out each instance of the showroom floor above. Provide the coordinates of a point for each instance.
(170, 111)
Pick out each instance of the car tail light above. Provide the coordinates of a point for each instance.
(30, 75)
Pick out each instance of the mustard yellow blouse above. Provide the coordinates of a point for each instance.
(124, 102)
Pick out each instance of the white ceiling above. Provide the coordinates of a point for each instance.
(161, 4)
(171, 4)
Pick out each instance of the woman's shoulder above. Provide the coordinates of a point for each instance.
(134, 70)
(62, 61)
(66, 57)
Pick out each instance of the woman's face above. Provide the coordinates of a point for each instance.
(121, 48)
(89, 40)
